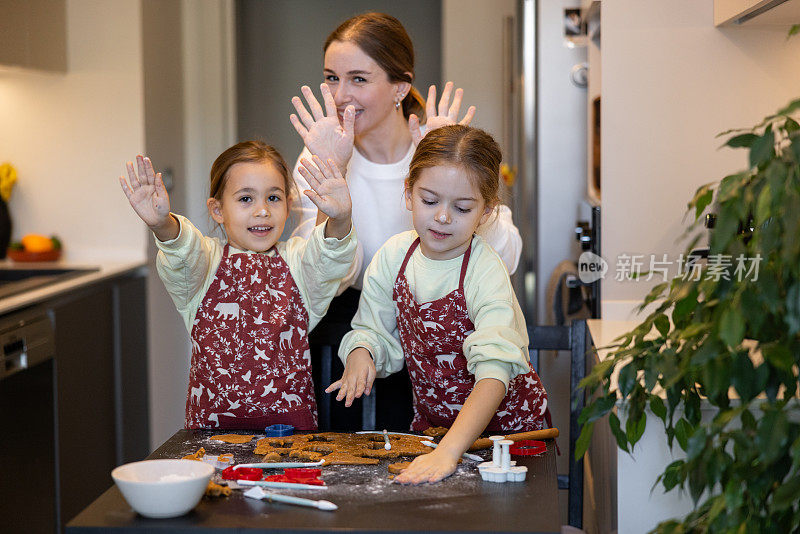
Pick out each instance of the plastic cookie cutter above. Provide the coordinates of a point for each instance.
(501, 468)
(528, 447)
(277, 431)
(219, 461)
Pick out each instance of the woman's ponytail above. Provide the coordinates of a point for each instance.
(414, 103)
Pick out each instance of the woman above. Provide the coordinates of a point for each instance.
(370, 127)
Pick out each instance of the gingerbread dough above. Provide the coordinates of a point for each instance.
(435, 431)
(234, 438)
(398, 467)
(338, 448)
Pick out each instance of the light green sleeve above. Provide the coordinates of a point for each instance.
(187, 265)
(498, 348)
(375, 323)
(318, 265)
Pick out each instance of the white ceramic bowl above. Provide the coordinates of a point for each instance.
(163, 488)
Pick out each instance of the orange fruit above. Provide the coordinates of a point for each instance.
(37, 243)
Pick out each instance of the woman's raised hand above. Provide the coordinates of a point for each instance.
(322, 133)
(146, 192)
(329, 192)
(447, 113)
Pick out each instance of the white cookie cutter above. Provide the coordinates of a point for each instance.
(501, 468)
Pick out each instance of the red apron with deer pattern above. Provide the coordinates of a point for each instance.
(251, 365)
(432, 336)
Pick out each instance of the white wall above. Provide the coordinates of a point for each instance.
(69, 136)
(210, 87)
(472, 57)
(671, 82)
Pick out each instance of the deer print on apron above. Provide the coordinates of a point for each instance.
(250, 361)
(432, 336)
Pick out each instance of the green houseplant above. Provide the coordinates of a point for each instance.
(742, 468)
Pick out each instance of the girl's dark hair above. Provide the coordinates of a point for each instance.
(383, 38)
(248, 152)
(461, 146)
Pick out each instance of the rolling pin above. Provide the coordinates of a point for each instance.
(546, 433)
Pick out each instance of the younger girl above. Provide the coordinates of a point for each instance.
(439, 299)
(249, 301)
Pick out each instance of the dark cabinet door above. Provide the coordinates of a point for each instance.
(84, 330)
(133, 421)
(27, 451)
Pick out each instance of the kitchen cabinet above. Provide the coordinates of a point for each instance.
(33, 34)
(96, 409)
(101, 384)
(27, 432)
(756, 13)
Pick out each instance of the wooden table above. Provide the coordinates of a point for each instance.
(367, 501)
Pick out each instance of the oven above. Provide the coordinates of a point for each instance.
(27, 423)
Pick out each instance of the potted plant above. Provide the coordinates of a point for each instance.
(711, 335)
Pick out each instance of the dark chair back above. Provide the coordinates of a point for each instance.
(325, 400)
(573, 338)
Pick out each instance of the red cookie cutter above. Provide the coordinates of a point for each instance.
(242, 473)
(298, 476)
(528, 447)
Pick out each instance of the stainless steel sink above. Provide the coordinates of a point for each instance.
(16, 280)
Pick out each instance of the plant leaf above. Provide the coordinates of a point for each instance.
(658, 408)
(742, 140)
(697, 482)
(619, 435)
(701, 200)
(731, 327)
(597, 409)
(661, 323)
(762, 149)
(697, 443)
(627, 379)
(682, 432)
(634, 428)
(742, 375)
(672, 474)
(791, 107)
(787, 494)
(764, 205)
(772, 434)
(795, 147)
(583, 441)
(778, 355)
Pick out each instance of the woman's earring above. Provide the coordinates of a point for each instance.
(399, 101)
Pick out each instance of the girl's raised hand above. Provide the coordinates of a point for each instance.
(322, 133)
(330, 194)
(445, 116)
(359, 374)
(146, 193)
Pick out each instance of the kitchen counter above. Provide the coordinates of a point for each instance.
(367, 500)
(105, 270)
